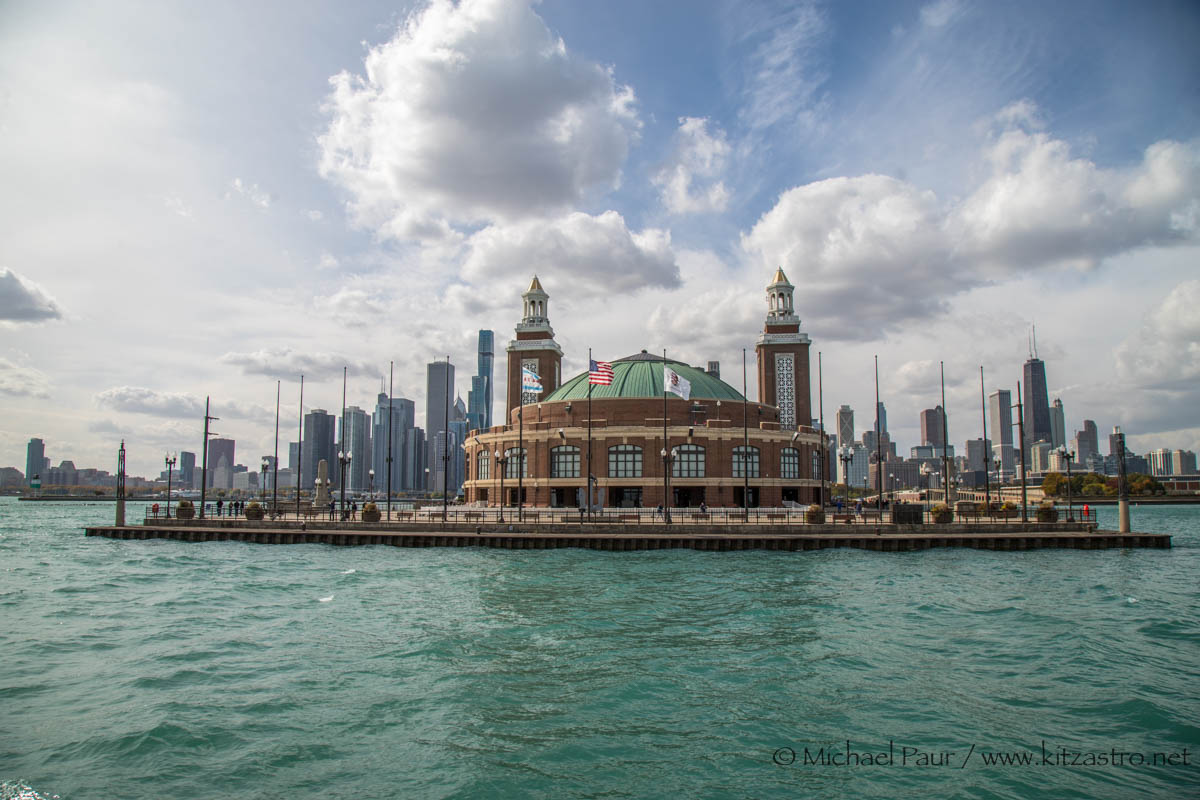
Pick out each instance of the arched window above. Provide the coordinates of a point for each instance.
(745, 462)
(689, 461)
(789, 463)
(624, 461)
(483, 465)
(515, 468)
(564, 462)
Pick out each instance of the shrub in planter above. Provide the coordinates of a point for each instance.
(185, 510)
(1046, 512)
(814, 514)
(1007, 509)
(255, 511)
(941, 513)
(370, 513)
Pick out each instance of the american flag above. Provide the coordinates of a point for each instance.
(600, 373)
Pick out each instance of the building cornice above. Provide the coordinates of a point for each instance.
(783, 338)
(515, 345)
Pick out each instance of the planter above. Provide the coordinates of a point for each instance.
(1047, 514)
(907, 514)
(371, 515)
(814, 517)
(255, 512)
(942, 517)
(185, 513)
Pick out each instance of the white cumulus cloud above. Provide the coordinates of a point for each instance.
(473, 112)
(23, 301)
(690, 183)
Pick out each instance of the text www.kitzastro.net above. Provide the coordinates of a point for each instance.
(1048, 755)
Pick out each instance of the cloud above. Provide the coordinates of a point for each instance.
(786, 66)
(869, 253)
(139, 400)
(251, 192)
(22, 300)
(473, 112)
(355, 308)
(1165, 352)
(594, 252)
(284, 362)
(698, 155)
(314, 215)
(19, 381)
(939, 13)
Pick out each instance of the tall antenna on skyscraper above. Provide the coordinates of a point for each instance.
(1034, 341)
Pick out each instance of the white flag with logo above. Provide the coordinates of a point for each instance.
(676, 385)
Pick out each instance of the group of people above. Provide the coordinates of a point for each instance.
(351, 510)
(232, 509)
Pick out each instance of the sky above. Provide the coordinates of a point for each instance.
(200, 200)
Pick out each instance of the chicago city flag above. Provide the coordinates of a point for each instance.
(530, 382)
(675, 384)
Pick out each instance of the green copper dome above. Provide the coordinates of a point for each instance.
(641, 375)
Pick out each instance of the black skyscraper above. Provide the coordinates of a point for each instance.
(1037, 403)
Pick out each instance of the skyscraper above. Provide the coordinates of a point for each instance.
(187, 468)
(221, 461)
(845, 425)
(1058, 425)
(439, 385)
(320, 443)
(1087, 444)
(1000, 410)
(402, 420)
(932, 426)
(479, 398)
(35, 460)
(1037, 402)
(356, 438)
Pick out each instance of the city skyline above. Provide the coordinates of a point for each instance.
(933, 177)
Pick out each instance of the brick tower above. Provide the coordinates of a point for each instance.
(782, 352)
(533, 348)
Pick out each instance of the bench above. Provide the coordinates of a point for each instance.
(470, 515)
(777, 517)
(843, 518)
(629, 518)
(700, 517)
(312, 512)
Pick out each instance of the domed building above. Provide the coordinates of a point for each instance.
(641, 444)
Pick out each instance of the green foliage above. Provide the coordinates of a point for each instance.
(1144, 485)
(1054, 483)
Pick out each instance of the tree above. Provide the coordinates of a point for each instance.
(1054, 483)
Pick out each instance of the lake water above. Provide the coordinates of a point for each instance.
(156, 669)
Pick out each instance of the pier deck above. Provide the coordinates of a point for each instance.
(882, 537)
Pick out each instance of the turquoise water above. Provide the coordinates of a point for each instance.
(157, 669)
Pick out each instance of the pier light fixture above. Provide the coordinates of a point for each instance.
(344, 459)
(501, 461)
(262, 484)
(371, 478)
(169, 462)
(1068, 456)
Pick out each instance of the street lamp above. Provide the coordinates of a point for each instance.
(371, 478)
(169, 460)
(501, 461)
(892, 488)
(1068, 455)
(344, 459)
(668, 460)
(262, 485)
(846, 455)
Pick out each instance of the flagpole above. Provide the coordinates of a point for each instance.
(391, 373)
(665, 451)
(821, 405)
(745, 443)
(987, 450)
(588, 491)
(521, 454)
(878, 449)
(275, 475)
(300, 449)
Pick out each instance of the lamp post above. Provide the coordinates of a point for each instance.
(371, 478)
(892, 488)
(262, 484)
(926, 471)
(668, 460)
(1068, 455)
(344, 458)
(501, 461)
(169, 460)
(846, 455)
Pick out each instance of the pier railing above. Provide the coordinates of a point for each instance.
(636, 516)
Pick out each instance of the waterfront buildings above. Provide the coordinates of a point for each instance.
(439, 387)
(35, 460)
(1087, 445)
(320, 444)
(1037, 402)
(479, 398)
(187, 468)
(1000, 411)
(1058, 425)
(719, 448)
(932, 426)
(355, 437)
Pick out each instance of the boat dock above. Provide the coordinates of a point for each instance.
(615, 537)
